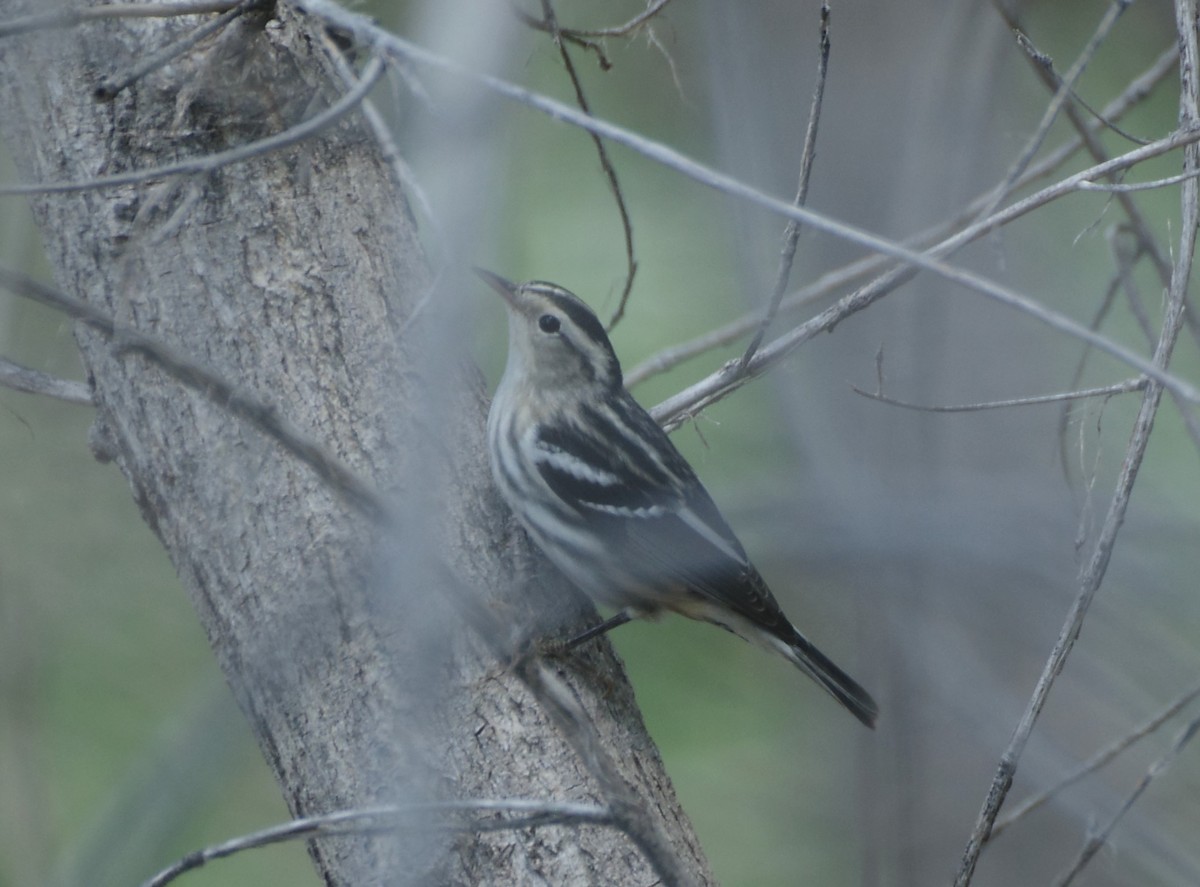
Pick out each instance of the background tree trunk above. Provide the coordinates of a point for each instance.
(295, 276)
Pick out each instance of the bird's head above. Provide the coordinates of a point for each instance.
(555, 341)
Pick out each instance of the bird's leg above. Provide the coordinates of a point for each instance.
(596, 630)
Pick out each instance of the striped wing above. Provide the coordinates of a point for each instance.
(624, 479)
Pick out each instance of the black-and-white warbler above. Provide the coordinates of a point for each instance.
(605, 494)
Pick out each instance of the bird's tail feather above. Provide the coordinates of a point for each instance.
(840, 685)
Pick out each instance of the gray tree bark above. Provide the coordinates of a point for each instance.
(293, 276)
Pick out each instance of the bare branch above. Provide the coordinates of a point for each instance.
(210, 162)
(1045, 62)
(671, 412)
(111, 86)
(1065, 88)
(391, 817)
(1097, 565)
(1095, 841)
(824, 285)
(1105, 391)
(1095, 762)
(1110, 296)
(340, 479)
(69, 18)
(1121, 188)
(634, 24)
(1091, 141)
(402, 174)
(831, 281)
(20, 378)
(791, 234)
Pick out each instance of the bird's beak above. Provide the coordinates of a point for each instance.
(505, 288)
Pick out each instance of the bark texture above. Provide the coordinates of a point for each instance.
(293, 276)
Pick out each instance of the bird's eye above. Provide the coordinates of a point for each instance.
(548, 323)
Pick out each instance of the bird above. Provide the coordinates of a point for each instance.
(606, 496)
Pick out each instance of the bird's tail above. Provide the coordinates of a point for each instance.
(840, 685)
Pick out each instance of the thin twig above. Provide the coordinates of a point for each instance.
(1097, 840)
(1137, 90)
(70, 18)
(1064, 417)
(389, 818)
(1093, 145)
(356, 492)
(540, 24)
(1095, 762)
(1123, 188)
(610, 172)
(30, 381)
(791, 234)
(210, 162)
(672, 412)
(111, 86)
(827, 283)
(624, 30)
(1097, 566)
(1065, 88)
(1047, 64)
(1105, 391)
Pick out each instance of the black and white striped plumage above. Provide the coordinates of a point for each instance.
(605, 494)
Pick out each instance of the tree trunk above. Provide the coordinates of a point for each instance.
(295, 276)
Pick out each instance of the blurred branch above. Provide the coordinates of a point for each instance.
(1095, 762)
(69, 18)
(1097, 566)
(402, 175)
(791, 233)
(387, 818)
(1097, 840)
(20, 378)
(111, 86)
(210, 162)
(340, 479)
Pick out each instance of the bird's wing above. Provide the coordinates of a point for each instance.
(627, 482)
